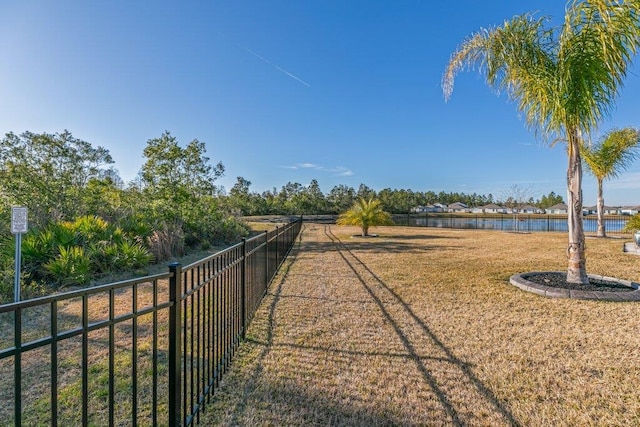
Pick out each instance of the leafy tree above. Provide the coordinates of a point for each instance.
(180, 195)
(386, 197)
(270, 203)
(290, 198)
(365, 213)
(549, 200)
(397, 201)
(365, 192)
(105, 198)
(313, 200)
(606, 159)
(170, 168)
(564, 80)
(340, 198)
(48, 173)
(240, 197)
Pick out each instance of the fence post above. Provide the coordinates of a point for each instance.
(276, 244)
(266, 261)
(243, 289)
(175, 352)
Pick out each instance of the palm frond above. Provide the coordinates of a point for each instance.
(613, 153)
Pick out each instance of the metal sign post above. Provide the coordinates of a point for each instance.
(18, 227)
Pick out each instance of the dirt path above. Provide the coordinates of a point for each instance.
(333, 344)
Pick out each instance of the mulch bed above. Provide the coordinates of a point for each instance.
(558, 280)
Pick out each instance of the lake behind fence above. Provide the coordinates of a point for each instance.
(529, 223)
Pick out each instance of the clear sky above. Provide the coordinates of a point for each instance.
(346, 92)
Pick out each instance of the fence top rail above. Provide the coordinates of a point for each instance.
(212, 256)
(269, 235)
(10, 307)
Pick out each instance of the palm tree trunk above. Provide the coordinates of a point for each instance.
(577, 270)
(601, 230)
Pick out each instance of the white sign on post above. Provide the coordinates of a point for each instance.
(18, 220)
(18, 227)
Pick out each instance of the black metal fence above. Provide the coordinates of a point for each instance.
(148, 351)
(521, 222)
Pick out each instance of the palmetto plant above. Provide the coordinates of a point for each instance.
(70, 267)
(608, 158)
(73, 252)
(564, 80)
(365, 213)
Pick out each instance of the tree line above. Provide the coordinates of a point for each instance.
(85, 222)
(297, 199)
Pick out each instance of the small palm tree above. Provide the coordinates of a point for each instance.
(564, 80)
(606, 159)
(365, 213)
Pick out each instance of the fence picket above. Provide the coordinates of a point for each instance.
(189, 339)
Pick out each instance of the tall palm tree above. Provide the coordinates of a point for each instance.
(606, 159)
(563, 79)
(365, 213)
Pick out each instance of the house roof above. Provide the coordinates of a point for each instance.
(559, 206)
(457, 205)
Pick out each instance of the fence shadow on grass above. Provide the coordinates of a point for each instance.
(355, 264)
(256, 387)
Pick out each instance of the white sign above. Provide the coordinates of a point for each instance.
(18, 220)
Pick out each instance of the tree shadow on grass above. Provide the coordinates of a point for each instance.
(377, 245)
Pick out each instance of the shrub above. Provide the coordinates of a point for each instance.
(70, 267)
(166, 243)
(633, 224)
(91, 228)
(132, 255)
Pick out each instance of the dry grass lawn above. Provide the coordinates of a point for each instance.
(419, 326)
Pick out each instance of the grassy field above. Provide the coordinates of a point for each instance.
(419, 326)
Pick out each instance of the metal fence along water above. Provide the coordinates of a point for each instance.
(523, 222)
(148, 351)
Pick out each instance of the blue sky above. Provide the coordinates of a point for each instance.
(345, 92)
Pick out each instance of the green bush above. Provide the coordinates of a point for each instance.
(90, 229)
(70, 267)
(633, 224)
(132, 255)
(74, 252)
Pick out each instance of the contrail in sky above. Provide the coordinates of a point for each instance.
(273, 65)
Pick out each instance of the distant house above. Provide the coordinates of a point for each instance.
(630, 210)
(559, 209)
(458, 207)
(528, 209)
(437, 208)
(612, 210)
(490, 208)
(589, 210)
